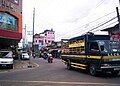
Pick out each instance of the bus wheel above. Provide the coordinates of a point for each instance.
(69, 65)
(92, 70)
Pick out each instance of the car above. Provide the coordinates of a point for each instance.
(25, 56)
(6, 59)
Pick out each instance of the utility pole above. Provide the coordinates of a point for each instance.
(118, 26)
(33, 29)
(25, 34)
(24, 37)
(118, 16)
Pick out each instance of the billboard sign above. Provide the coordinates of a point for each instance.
(8, 21)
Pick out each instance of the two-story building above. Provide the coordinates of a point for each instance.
(44, 39)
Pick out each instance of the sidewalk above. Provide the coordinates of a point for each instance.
(23, 64)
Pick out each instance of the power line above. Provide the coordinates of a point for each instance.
(102, 24)
(91, 22)
(101, 17)
(99, 3)
(106, 26)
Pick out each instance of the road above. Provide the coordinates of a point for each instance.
(54, 74)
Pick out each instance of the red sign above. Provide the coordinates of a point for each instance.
(10, 34)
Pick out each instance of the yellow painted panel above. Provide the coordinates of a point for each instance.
(80, 56)
(79, 64)
(94, 57)
(78, 67)
(108, 57)
(77, 44)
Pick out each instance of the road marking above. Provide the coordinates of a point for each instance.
(60, 82)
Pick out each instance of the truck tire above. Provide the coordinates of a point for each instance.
(92, 70)
(69, 65)
(115, 73)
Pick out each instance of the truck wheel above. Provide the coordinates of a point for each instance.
(92, 70)
(115, 73)
(69, 65)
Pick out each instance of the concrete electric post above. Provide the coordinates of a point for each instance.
(33, 30)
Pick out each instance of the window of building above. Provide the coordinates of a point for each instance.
(52, 41)
(49, 41)
(15, 1)
(45, 41)
(40, 41)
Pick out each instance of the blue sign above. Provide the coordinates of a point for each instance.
(8, 21)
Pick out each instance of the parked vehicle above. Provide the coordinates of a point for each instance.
(25, 56)
(91, 52)
(6, 59)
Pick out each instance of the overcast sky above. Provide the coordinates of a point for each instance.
(68, 18)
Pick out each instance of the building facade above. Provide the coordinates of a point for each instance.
(10, 22)
(44, 39)
(114, 33)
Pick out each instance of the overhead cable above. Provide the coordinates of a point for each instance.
(102, 24)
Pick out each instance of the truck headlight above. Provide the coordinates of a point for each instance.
(105, 65)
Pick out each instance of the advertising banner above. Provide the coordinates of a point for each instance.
(8, 22)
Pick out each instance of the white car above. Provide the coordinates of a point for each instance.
(25, 56)
(6, 59)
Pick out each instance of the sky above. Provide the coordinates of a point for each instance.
(68, 18)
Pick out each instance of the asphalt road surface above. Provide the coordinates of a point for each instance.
(54, 74)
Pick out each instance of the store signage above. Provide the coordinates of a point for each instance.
(6, 18)
(8, 21)
(16, 1)
(115, 36)
(6, 4)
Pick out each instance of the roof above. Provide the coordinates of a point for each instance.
(48, 31)
(110, 28)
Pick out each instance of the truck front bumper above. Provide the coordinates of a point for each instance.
(110, 68)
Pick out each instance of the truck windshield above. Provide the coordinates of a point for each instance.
(104, 45)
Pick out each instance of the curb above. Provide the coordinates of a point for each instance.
(20, 65)
(25, 64)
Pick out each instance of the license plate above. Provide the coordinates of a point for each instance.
(116, 68)
(4, 65)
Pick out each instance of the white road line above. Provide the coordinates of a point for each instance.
(60, 82)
